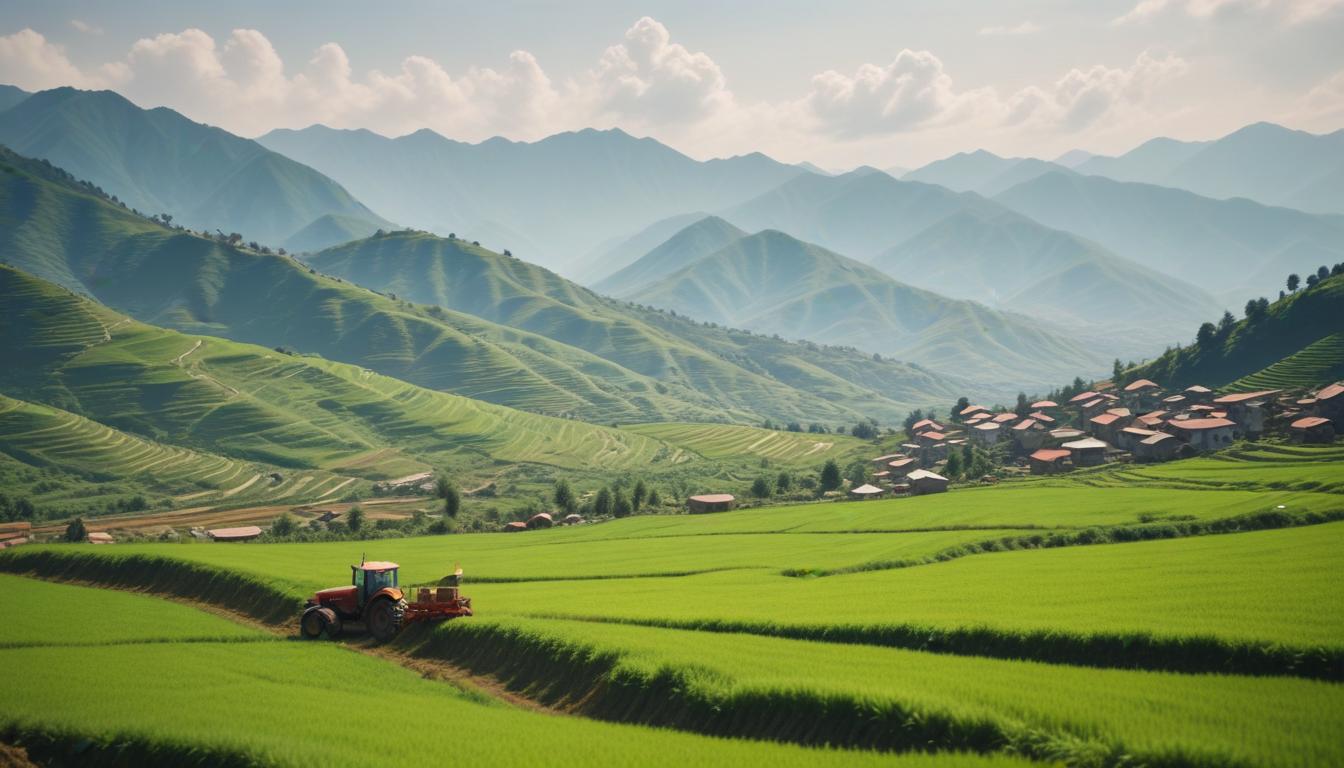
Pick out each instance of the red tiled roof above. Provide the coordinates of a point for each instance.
(1135, 386)
(1330, 392)
(713, 498)
(867, 490)
(1198, 389)
(1157, 437)
(1088, 395)
(1087, 443)
(1050, 454)
(918, 425)
(1119, 411)
(1043, 417)
(1094, 403)
(1104, 420)
(1309, 422)
(542, 516)
(1242, 397)
(1024, 424)
(1195, 425)
(987, 426)
(931, 435)
(888, 457)
(972, 409)
(1174, 399)
(1004, 417)
(883, 473)
(978, 417)
(899, 463)
(241, 532)
(515, 526)
(922, 474)
(97, 536)
(1139, 431)
(1045, 404)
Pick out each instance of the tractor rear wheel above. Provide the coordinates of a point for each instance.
(312, 623)
(384, 617)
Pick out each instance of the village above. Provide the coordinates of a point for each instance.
(1138, 422)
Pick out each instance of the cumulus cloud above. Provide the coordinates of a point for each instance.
(647, 77)
(1289, 11)
(1083, 96)
(1025, 28)
(1323, 105)
(30, 61)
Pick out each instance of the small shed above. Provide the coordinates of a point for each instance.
(710, 502)
(98, 537)
(1159, 446)
(866, 491)
(1329, 402)
(1312, 429)
(573, 519)
(241, 533)
(515, 526)
(901, 466)
(1088, 452)
(923, 481)
(1203, 434)
(540, 520)
(1048, 461)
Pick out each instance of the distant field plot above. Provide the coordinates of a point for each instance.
(1272, 467)
(289, 703)
(43, 613)
(56, 439)
(1146, 715)
(727, 441)
(1261, 587)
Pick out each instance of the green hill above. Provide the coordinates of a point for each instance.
(737, 371)
(1233, 248)
(158, 161)
(328, 230)
(11, 96)
(1296, 343)
(256, 404)
(687, 245)
(562, 350)
(1005, 259)
(773, 283)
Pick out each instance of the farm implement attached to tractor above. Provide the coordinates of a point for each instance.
(375, 599)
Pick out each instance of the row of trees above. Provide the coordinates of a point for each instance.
(609, 501)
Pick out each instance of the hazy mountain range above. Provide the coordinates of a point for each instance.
(157, 161)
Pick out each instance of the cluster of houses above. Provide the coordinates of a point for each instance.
(541, 520)
(1138, 422)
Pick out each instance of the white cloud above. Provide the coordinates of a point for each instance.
(29, 61)
(1084, 96)
(85, 27)
(1289, 11)
(1025, 28)
(649, 78)
(1323, 106)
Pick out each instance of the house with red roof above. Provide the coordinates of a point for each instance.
(986, 433)
(1203, 434)
(1329, 403)
(1312, 429)
(1247, 410)
(1029, 434)
(1087, 452)
(1198, 393)
(1159, 446)
(1048, 461)
(1107, 425)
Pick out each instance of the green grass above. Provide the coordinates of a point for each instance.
(702, 680)
(1320, 362)
(727, 441)
(290, 703)
(43, 613)
(70, 444)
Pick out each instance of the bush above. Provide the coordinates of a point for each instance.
(761, 488)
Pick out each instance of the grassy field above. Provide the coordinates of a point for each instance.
(727, 441)
(292, 703)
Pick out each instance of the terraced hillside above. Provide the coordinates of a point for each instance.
(85, 450)
(732, 441)
(1295, 340)
(58, 230)
(921, 623)
(260, 405)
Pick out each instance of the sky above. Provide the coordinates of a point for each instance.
(840, 84)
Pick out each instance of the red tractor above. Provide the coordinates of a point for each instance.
(374, 598)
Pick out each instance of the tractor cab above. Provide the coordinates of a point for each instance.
(371, 578)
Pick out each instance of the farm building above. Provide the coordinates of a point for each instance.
(1082, 397)
(1093, 407)
(1330, 403)
(1207, 434)
(1198, 394)
(1043, 418)
(1007, 417)
(923, 481)
(930, 437)
(965, 413)
(927, 424)
(1048, 461)
(1064, 434)
(241, 533)
(540, 520)
(1247, 409)
(1108, 425)
(986, 433)
(1160, 446)
(14, 534)
(710, 502)
(1152, 419)
(1029, 434)
(573, 519)
(866, 491)
(515, 526)
(900, 467)
(1088, 452)
(1041, 405)
(1130, 437)
(979, 417)
(1312, 429)
(99, 537)
(881, 461)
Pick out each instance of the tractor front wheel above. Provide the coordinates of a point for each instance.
(384, 617)
(312, 623)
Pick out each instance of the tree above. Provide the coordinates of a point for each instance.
(639, 494)
(761, 488)
(794, 427)
(967, 456)
(1293, 282)
(564, 497)
(830, 476)
(857, 473)
(1312, 280)
(1253, 310)
(1206, 335)
(783, 483)
(234, 238)
(1024, 405)
(76, 531)
(1322, 272)
(283, 525)
(953, 468)
(354, 519)
(602, 503)
(620, 504)
(452, 498)
(1226, 325)
(911, 419)
(962, 404)
(654, 499)
(864, 430)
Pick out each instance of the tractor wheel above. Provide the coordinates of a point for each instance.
(383, 618)
(334, 626)
(312, 623)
